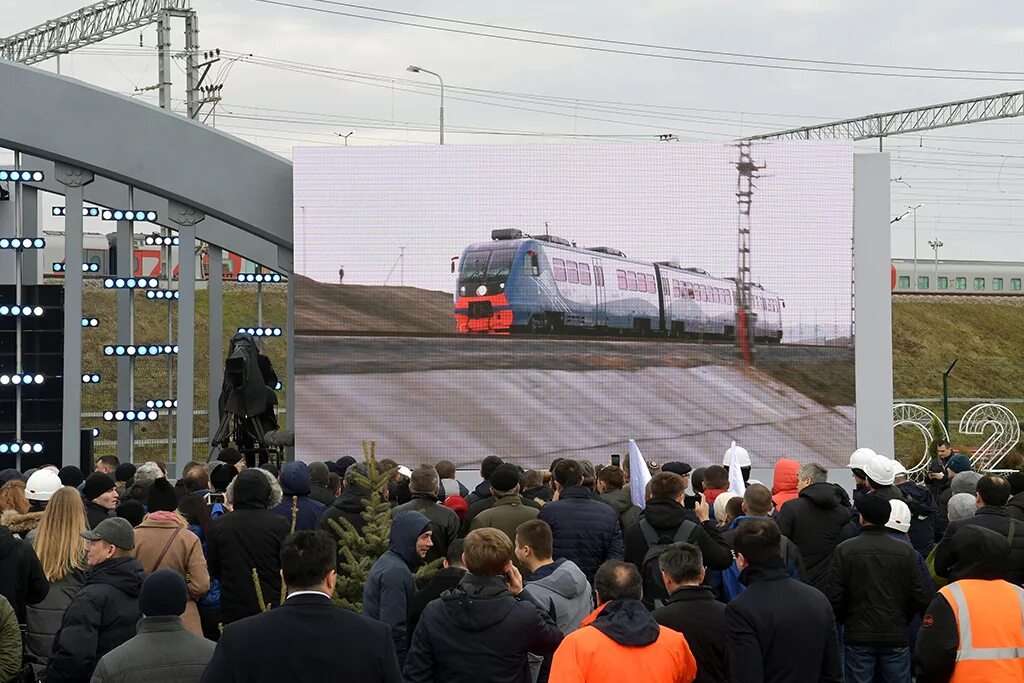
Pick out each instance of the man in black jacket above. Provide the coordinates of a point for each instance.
(779, 629)
(483, 489)
(665, 513)
(876, 590)
(692, 610)
(444, 523)
(318, 490)
(100, 495)
(350, 504)
(481, 630)
(22, 580)
(584, 530)
(307, 638)
(104, 614)
(446, 579)
(817, 520)
(249, 537)
(992, 495)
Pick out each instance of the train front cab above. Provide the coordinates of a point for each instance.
(485, 271)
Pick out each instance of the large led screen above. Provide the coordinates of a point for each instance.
(544, 301)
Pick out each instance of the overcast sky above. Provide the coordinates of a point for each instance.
(968, 179)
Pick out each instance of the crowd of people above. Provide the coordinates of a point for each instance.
(229, 574)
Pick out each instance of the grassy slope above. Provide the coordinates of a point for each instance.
(986, 338)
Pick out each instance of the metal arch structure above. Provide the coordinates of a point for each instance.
(921, 418)
(101, 147)
(85, 26)
(958, 113)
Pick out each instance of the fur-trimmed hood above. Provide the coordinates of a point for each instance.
(20, 523)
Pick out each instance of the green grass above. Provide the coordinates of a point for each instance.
(985, 338)
(151, 381)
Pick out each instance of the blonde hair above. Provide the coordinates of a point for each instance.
(12, 497)
(59, 546)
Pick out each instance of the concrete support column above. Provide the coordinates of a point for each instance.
(186, 217)
(125, 335)
(33, 266)
(215, 289)
(74, 179)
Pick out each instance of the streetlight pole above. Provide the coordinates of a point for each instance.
(935, 244)
(345, 137)
(416, 70)
(914, 209)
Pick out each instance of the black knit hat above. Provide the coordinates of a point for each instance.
(164, 594)
(874, 509)
(96, 484)
(71, 476)
(221, 476)
(124, 472)
(229, 455)
(132, 510)
(505, 478)
(161, 496)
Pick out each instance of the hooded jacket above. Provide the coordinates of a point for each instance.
(295, 485)
(923, 509)
(785, 481)
(43, 618)
(21, 524)
(444, 523)
(621, 641)
(349, 505)
(479, 632)
(948, 558)
(22, 580)
(780, 631)
(563, 591)
(446, 579)
(101, 617)
(666, 516)
(694, 612)
(481, 492)
(248, 538)
(622, 503)
(817, 521)
(389, 585)
(877, 588)
(583, 530)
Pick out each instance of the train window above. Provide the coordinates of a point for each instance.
(572, 272)
(652, 284)
(584, 274)
(997, 284)
(979, 283)
(621, 274)
(961, 283)
(1015, 284)
(704, 293)
(904, 282)
(631, 280)
(599, 276)
(531, 262)
(922, 282)
(943, 282)
(728, 297)
(558, 268)
(688, 290)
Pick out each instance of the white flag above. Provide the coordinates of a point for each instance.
(639, 475)
(736, 484)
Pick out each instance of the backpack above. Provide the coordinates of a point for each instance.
(654, 586)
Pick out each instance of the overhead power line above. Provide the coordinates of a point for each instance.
(723, 58)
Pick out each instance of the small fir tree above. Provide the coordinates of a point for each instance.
(357, 552)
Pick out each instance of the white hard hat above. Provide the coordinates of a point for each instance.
(880, 470)
(898, 468)
(42, 485)
(899, 518)
(860, 458)
(742, 457)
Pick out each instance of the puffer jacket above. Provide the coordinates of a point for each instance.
(101, 617)
(877, 588)
(44, 618)
(10, 642)
(479, 632)
(389, 585)
(817, 521)
(245, 539)
(622, 503)
(350, 505)
(583, 530)
(295, 485)
(784, 482)
(923, 510)
(22, 580)
(621, 641)
(563, 591)
(163, 651)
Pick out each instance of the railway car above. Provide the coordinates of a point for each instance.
(975, 278)
(519, 283)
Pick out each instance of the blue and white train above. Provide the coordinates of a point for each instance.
(519, 283)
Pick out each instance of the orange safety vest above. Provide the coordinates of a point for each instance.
(990, 623)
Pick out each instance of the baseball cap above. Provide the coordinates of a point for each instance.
(115, 531)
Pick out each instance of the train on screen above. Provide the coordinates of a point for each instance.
(100, 255)
(545, 284)
(959, 278)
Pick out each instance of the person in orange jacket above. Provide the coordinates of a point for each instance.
(784, 483)
(620, 640)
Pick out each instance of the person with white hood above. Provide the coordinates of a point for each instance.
(880, 474)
